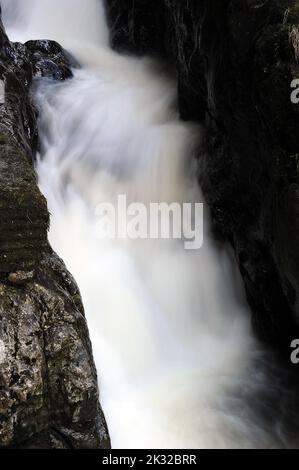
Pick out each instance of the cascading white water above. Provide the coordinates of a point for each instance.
(170, 328)
(64, 21)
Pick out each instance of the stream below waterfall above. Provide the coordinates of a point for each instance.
(177, 361)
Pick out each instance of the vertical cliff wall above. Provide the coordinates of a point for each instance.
(235, 61)
(48, 381)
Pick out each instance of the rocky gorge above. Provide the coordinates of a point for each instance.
(235, 61)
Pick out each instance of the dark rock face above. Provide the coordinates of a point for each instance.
(48, 59)
(48, 381)
(235, 61)
(49, 395)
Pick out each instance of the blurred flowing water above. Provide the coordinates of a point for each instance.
(178, 365)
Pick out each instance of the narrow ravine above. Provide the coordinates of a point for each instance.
(178, 365)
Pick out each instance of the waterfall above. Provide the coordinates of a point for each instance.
(48, 19)
(177, 361)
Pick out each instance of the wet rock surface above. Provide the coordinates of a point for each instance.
(49, 395)
(48, 381)
(235, 62)
(49, 59)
